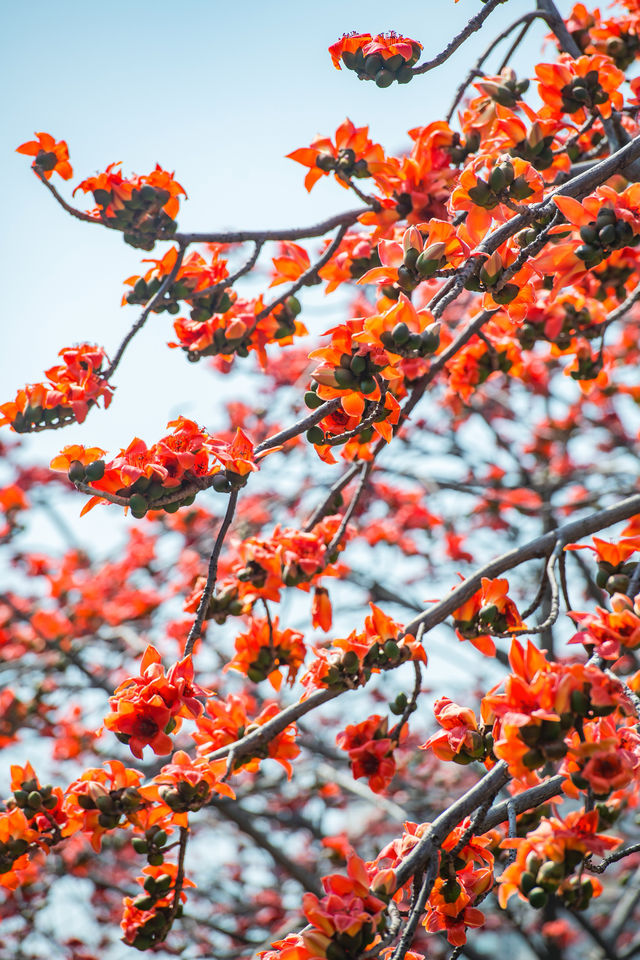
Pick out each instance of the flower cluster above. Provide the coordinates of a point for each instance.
(184, 786)
(147, 708)
(197, 282)
(351, 660)
(147, 919)
(489, 187)
(353, 155)
(384, 58)
(99, 799)
(421, 252)
(547, 859)
(16, 837)
(465, 875)
(289, 558)
(73, 387)
(610, 632)
(489, 610)
(607, 221)
(167, 474)
(264, 648)
(223, 722)
(349, 917)
(577, 86)
(144, 207)
(542, 704)
(370, 750)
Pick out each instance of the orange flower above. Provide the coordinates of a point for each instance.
(370, 751)
(352, 155)
(97, 791)
(226, 721)
(237, 457)
(195, 274)
(547, 857)
(76, 452)
(424, 249)
(383, 58)
(290, 264)
(488, 607)
(264, 648)
(505, 180)
(460, 740)
(348, 910)
(143, 207)
(575, 86)
(74, 387)
(186, 785)
(146, 708)
(321, 614)
(610, 633)
(537, 144)
(50, 157)
(607, 221)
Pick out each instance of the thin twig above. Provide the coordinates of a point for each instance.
(475, 71)
(248, 265)
(347, 218)
(184, 836)
(340, 532)
(140, 322)
(196, 628)
(301, 426)
(309, 276)
(474, 24)
(417, 910)
(540, 547)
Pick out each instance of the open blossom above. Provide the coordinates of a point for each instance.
(575, 86)
(610, 632)
(113, 192)
(384, 58)
(186, 785)
(73, 387)
(348, 910)
(264, 648)
(49, 156)
(489, 608)
(97, 791)
(540, 704)
(146, 708)
(547, 857)
(353, 155)
(460, 739)
(370, 751)
(228, 720)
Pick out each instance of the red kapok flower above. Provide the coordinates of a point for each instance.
(50, 156)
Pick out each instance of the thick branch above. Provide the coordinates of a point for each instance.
(292, 233)
(540, 547)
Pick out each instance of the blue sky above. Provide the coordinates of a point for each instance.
(220, 93)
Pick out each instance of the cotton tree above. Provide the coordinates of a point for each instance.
(360, 678)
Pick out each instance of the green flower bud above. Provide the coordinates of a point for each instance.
(139, 505)
(537, 898)
(95, 470)
(76, 471)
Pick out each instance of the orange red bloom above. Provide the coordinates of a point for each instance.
(384, 58)
(74, 386)
(49, 156)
